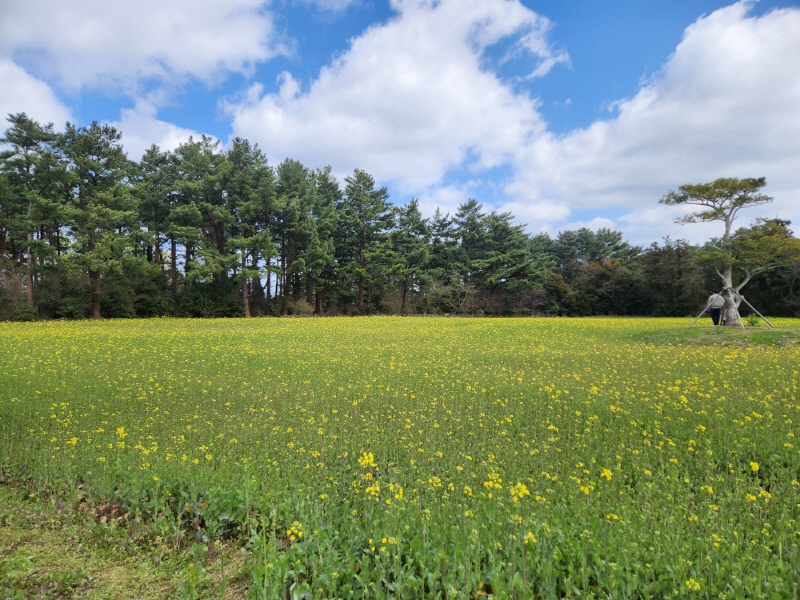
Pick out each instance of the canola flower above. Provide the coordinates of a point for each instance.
(475, 446)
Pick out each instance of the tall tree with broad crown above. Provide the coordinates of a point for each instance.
(763, 247)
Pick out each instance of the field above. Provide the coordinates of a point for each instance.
(421, 458)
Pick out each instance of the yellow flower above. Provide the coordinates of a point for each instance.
(295, 531)
(606, 474)
(519, 491)
(367, 460)
(493, 481)
(754, 467)
(529, 538)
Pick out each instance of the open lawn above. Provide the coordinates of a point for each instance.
(416, 457)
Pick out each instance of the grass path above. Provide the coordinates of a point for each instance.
(47, 551)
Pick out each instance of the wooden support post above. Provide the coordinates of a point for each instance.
(753, 308)
(700, 315)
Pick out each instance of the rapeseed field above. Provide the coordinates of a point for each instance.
(424, 458)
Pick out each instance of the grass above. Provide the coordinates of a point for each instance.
(49, 550)
(42, 555)
(375, 457)
(727, 336)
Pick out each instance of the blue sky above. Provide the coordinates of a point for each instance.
(567, 114)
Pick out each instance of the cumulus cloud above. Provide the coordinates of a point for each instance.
(415, 101)
(141, 128)
(539, 216)
(726, 104)
(96, 42)
(20, 92)
(410, 99)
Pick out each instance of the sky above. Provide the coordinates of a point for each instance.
(580, 113)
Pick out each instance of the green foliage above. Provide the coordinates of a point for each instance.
(722, 199)
(84, 232)
(362, 253)
(672, 283)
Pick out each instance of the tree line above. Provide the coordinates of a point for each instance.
(206, 232)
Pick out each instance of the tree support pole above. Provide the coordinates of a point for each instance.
(700, 315)
(753, 308)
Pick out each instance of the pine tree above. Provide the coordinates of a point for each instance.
(294, 228)
(101, 209)
(366, 218)
(410, 243)
(250, 185)
(35, 180)
(321, 262)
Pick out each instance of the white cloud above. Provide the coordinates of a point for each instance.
(140, 129)
(414, 102)
(539, 216)
(446, 198)
(409, 99)
(20, 92)
(727, 104)
(119, 43)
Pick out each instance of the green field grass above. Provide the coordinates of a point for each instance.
(424, 458)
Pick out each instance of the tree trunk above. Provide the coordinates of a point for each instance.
(284, 288)
(29, 291)
(173, 267)
(245, 295)
(361, 261)
(158, 255)
(403, 302)
(94, 285)
(727, 277)
(730, 312)
(318, 309)
(269, 280)
(257, 296)
(30, 271)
